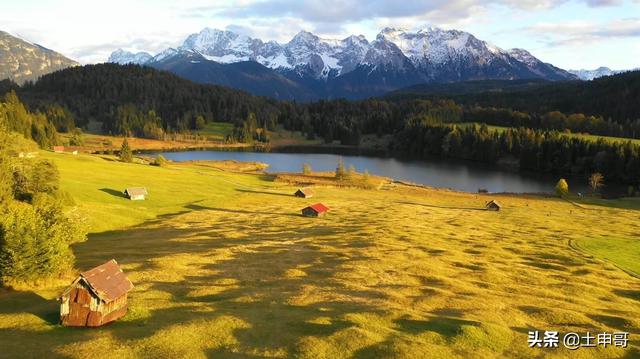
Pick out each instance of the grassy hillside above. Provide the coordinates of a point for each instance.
(224, 267)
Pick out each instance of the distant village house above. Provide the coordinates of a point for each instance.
(493, 206)
(136, 193)
(304, 193)
(58, 149)
(97, 297)
(315, 210)
(27, 154)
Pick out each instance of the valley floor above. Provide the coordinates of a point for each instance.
(225, 267)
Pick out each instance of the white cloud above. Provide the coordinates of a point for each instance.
(577, 33)
(89, 30)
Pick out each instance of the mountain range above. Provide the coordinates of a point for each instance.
(588, 75)
(310, 67)
(23, 61)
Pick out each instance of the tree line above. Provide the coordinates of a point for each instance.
(534, 150)
(35, 232)
(140, 101)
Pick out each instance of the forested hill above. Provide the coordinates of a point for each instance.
(464, 88)
(611, 97)
(122, 97)
(133, 100)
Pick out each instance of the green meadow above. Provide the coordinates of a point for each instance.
(224, 266)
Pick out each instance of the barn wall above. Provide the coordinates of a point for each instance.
(309, 212)
(82, 308)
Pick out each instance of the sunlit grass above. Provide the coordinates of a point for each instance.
(225, 267)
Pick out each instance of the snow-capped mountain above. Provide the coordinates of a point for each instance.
(588, 75)
(354, 66)
(123, 57)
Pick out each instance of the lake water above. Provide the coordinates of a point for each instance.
(458, 175)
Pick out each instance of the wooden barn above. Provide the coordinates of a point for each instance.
(136, 193)
(97, 297)
(58, 149)
(315, 210)
(493, 206)
(304, 193)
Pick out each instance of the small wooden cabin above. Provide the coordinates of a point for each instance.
(315, 210)
(97, 297)
(493, 206)
(136, 193)
(304, 193)
(58, 149)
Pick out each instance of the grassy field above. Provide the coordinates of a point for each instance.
(212, 136)
(225, 267)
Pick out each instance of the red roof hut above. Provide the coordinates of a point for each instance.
(98, 296)
(315, 210)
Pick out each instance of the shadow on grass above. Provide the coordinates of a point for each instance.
(442, 207)
(611, 321)
(197, 207)
(14, 302)
(266, 192)
(445, 326)
(113, 192)
(254, 286)
(631, 294)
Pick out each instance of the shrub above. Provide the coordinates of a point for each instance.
(306, 169)
(352, 171)
(159, 161)
(340, 171)
(562, 187)
(125, 151)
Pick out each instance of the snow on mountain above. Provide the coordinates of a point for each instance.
(123, 57)
(164, 55)
(588, 75)
(524, 56)
(428, 55)
(438, 46)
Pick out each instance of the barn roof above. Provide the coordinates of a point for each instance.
(306, 191)
(493, 202)
(107, 281)
(319, 207)
(136, 191)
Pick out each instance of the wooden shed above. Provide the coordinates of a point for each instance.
(493, 205)
(136, 193)
(58, 149)
(315, 210)
(304, 193)
(97, 297)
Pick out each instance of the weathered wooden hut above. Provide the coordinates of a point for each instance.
(493, 205)
(97, 297)
(315, 210)
(136, 193)
(304, 193)
(58, 149)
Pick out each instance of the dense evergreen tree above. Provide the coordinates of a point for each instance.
(125, 151)
(35, 234)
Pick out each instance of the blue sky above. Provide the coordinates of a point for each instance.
(569, 34)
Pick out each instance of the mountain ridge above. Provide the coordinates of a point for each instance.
(396, 58)
(22, 61)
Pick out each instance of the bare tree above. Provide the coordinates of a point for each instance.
(596, 181)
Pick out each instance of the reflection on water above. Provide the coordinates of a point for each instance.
(458, 175)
